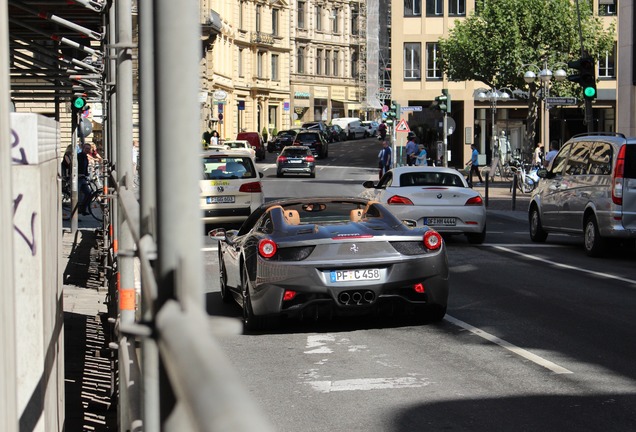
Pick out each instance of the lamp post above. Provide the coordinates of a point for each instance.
(493, 96)
(545, 77)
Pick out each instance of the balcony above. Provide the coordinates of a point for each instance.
(261, 38)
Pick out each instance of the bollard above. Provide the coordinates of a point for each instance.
(486, 192)
(514, 191)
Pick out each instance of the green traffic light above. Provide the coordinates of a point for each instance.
(79, 103)
(589, 92)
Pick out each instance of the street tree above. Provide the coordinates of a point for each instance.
(495, 44)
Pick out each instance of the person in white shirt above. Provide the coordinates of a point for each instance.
(554, 149)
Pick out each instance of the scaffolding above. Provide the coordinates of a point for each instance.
(370, 54)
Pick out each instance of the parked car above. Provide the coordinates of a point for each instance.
(352, 127)
(319, 125)
(432, 196)
(372, 127)
(336, 133)
(231, 186)
(296, 160)
(315, 141)
(240, 145)
(282, 139)
(256, 141)
(331, 256)
(589, 190)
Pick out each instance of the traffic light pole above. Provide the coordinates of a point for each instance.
(589, 116)
(445, 126)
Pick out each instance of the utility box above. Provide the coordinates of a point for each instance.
(39, 311)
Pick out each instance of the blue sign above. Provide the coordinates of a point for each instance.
(286, 106)
(385, 115)
(241, 105)
(220, 108)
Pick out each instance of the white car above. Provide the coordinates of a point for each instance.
(434, 196)
(240, 145)
(231, 187)
(371, 127)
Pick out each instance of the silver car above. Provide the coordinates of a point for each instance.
(432, 196)
(316, 257)
(589, 189)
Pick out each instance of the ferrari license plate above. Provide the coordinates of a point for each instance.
(439, 221)
(220, 199)
(355, 275)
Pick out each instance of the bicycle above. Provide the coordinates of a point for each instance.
(526, 177)
(95, 204)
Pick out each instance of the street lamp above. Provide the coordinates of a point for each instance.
(493, 96)
(545, 76)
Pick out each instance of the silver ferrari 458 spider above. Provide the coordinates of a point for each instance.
(331, 256)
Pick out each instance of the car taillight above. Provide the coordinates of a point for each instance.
(289, 295)
(281, 159)
(475, 201)
(399, 200)
(432, 240)
(254, 187)
(617, 178)
(310, 158)
(267, 248)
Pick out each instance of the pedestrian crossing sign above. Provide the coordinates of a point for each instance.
(402, 126)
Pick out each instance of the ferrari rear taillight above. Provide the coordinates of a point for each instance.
(289, 295)
(419, 288)
(432, 240)
(267, 248)
(475, 201)
(399, 200)
(253, 187)
(617, 178)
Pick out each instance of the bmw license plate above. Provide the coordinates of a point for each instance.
(220, 199)
(295, 161)
(439, 221)
(355, 275)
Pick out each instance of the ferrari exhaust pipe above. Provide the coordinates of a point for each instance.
(369, 296)
(344, 298)
(356, 297)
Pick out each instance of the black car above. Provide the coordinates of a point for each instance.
(315, 141)
(318, 125)
(296, 160)
(282, 139)
(336, 133)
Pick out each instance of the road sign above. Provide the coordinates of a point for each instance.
(402, 126)
(385, 108)
(411, 108)
(561, 100)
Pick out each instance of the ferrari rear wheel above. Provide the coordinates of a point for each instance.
(225, 294)
(250, 321)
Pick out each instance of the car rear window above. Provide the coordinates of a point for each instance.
(430, 179)
(224, 167)
(307, 137)
(630, 161)
(295, 152)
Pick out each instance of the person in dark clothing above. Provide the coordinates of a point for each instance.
(384, 158)
(83, 177)
(382, 129)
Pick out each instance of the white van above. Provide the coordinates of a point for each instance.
(352, 126)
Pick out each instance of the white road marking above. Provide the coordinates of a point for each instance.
(523, 245)
(565, 266)
(510, 347)
(317, 344)
(368, 384)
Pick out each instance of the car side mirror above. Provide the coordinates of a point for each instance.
(218, 234)
(369, 184)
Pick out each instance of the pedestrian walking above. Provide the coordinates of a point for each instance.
(384, 158)
(411, 149)
(420, 159)
(474, 166)
(83, 174)
(382, 130)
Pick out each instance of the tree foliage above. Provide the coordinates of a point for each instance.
(499, 42)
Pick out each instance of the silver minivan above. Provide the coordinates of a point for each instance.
(589, 189)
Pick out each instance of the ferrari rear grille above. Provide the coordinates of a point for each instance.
(297, 253)
(410, 247)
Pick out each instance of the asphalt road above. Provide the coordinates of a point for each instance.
(537, 338)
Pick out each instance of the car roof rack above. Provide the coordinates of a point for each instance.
(616, 134)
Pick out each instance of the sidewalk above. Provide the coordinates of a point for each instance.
(500, 200)
(89, 383)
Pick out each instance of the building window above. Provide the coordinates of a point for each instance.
(318, 18)
(607, 65)
(608, 8)
(412, 8)
(260, 62)
(300, 57)
(355, 19)
(258, 18)
(336, 61)
(241, 14)
(275, 23)
(412, 60)
(433, 70)
(301, 14)
(327, 62)
(240, 62)
(354, 63)
(434, 8)
(274, 67)
(334, 18)
(318, 62)
(457, 7)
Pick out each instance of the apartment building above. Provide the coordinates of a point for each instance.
(417, 26)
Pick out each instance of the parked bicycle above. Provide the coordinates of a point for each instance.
(527, 177)
(96, 202)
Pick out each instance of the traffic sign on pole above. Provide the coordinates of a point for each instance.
(402, 126)
(561, 100)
